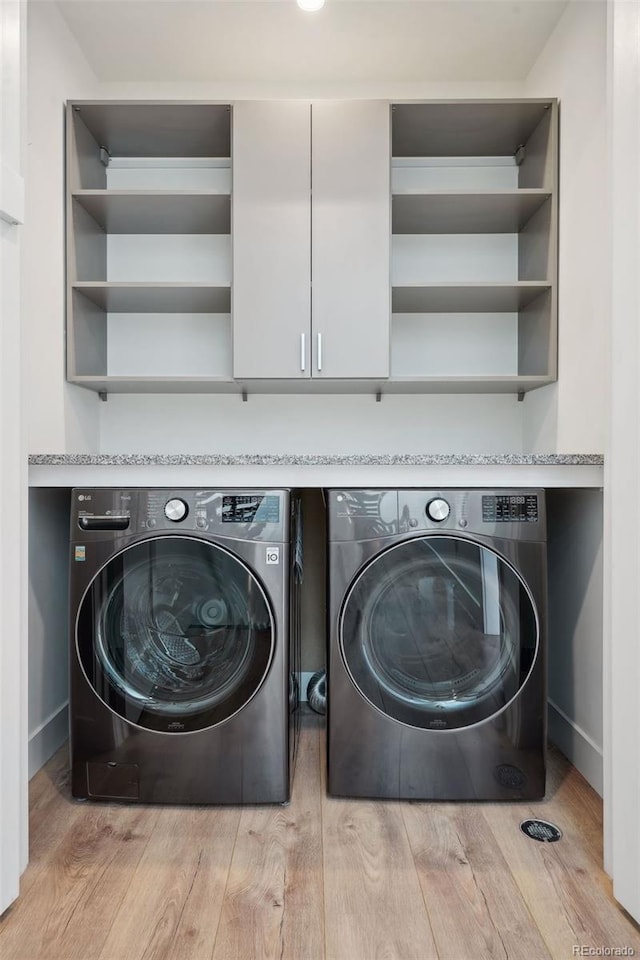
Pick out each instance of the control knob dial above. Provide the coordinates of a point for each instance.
(175, 510)
(438, 509)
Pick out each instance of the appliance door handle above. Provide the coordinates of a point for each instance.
(110, 522)
(319, 353)
(303, 358)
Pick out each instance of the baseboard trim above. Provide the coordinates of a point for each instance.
(47, 737)
(576, 744)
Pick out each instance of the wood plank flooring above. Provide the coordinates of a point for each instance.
(320, 879)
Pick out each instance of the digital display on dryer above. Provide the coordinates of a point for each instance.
(246, 508)
(506, 508)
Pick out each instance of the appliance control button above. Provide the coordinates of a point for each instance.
(413, 522)
(151, 522)
(175, 510)
(201, 523)
(438, 509)
(462, 523)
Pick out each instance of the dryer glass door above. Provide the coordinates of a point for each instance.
(439, 632)
(175, 634)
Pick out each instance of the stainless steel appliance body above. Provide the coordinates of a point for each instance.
(184, 613)
(437, 644)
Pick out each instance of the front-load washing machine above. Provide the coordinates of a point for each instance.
(184, 644)
(437, 644)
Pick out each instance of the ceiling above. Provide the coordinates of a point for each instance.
(348, 40)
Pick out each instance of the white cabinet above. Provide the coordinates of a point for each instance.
(311, 230)
(149, 246)
(271, 239)
(350, 215)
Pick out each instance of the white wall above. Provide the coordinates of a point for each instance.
(571, 415)
(565, 417)
(337, 89)
(59, 416)
(575, 628)
(309, 424)
(13, 479)
(622, 468)
(48, 624)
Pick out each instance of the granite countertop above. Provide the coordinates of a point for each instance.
(267, 459)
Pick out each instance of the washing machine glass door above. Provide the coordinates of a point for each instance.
(439, 632)
(175, 634)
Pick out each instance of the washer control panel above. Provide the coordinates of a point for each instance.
(242, 514)
(245, 513)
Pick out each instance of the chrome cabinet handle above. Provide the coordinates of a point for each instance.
(303, 358)
(319, 353)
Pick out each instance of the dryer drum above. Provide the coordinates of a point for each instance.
(438, 632)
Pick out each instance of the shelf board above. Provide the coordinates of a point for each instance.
(505, 211)
(394, 385)
(466, 384)
(148, 129)
(464, 128)
(156, 297)
(157, 211)
(466, 297)
(157, 384)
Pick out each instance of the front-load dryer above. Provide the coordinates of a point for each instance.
(184, 645)
(437, 644)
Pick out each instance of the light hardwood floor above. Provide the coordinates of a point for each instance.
(320, 879)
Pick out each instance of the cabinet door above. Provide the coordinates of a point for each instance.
(271, 239)
(351, 239)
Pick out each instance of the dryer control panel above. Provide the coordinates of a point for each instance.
(507, 508)
(378, 514)
(508, 513)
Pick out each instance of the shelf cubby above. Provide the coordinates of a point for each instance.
(148, 244)
(474, 244)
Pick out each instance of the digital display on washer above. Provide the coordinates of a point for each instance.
(246, 508)
(509, 508)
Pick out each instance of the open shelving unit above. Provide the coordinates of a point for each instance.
(473, 265)
(474, 245)
(149, 245)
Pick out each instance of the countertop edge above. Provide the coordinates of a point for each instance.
(106, 460)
